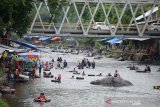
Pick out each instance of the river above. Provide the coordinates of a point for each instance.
(80, 93)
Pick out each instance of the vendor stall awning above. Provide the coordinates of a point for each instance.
(119, 41)
(139, 39)
(2, 50)
(10, 49)
(44, 38)
(114, 40)
(102, 39)
(25, 44)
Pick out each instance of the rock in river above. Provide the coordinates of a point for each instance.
(112, 81)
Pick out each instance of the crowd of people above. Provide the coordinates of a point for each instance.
(86, 63)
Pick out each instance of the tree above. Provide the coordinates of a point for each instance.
(15, 13)
(56, 7)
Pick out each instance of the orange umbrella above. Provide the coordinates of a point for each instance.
(56, 38)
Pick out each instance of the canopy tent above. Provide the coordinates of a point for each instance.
(147, 13)
(32, 56)
(26, 44)
(44, 38)
(102, 39)
(56, 38)
(114, 40)
(28, 37)
(11, 49)
(119, 41)
(138, 39)
(29, 54)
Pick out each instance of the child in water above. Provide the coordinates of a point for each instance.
(41, 97)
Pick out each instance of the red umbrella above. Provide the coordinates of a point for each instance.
(56, 38)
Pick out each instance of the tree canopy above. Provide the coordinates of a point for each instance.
(15, 13)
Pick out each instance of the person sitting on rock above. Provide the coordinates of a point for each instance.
(116, 74)
(109, 74)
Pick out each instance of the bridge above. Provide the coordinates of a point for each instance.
(137, 26)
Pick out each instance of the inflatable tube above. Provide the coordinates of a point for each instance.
(132, 68)
(7, 91)
(51, 76)
(73, 71)
(55, 81)
(46, 69)
(38, 100)
(99, 75)
(91, 75)
(24, 76)
(76, 73)
(80, 78)
(156, 87)
(140, 71)
(21, 80)
(98, 57)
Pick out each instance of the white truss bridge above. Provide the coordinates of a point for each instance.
(136, 27)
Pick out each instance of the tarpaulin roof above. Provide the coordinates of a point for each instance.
(114, 40)
(147, 13)
(102, 39)
(44, 38)
(25, 44)
(56, 38)
(119, 41)
(139, 39)
(30, 54)
(2, 50)
(4, 47)
(29, 37)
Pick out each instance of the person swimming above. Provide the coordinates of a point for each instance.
(41, 97)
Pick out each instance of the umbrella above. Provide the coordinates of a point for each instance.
(29, 55)
(56, 38)
(22, 59)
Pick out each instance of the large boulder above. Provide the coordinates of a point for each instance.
(112, 81)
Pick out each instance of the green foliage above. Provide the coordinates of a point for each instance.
(130, 44)
(14, 13)
(85, 42)
(56, 7)
(3, 103)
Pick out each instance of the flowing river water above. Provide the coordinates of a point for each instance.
(80, 93)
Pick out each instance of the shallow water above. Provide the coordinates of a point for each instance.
(80, 93)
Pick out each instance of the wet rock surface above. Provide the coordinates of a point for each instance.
(112, 81)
